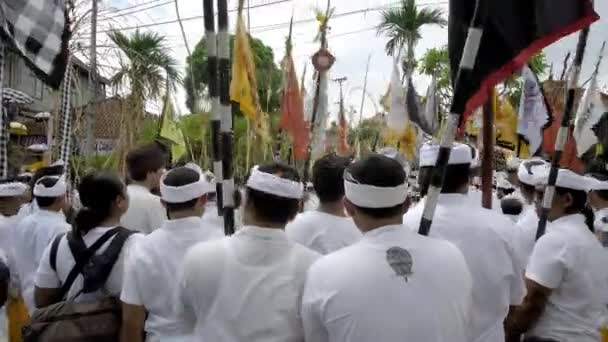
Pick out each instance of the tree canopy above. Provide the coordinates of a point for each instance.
(268, 74)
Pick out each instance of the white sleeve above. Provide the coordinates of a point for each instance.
(312, 310)
(184, 311)
(46, 277)
(130, 293)
(548, 262)
(157, 214)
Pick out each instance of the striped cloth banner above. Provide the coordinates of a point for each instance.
(212, 70)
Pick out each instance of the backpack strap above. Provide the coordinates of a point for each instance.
(54, 247)
(82, 257)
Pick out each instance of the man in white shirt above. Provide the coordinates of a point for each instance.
(34, 233)
(327, 228)
(145, 165)
(567, 276)
(392, 285)
(247, 287)
(598, 201)
(149, 280)
(486, 238)
(530, 175)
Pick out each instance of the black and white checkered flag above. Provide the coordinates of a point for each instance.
(39, 30)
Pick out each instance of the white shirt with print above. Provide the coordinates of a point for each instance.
(244, 288)
(486, 239)
(570, 260)
(393, 285)
(145, 213)
(323, 233)
(150, 272)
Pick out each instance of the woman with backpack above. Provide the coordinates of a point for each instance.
(84, 266)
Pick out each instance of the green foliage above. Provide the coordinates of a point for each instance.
(436, 62)
(402, 26)
(268, 74)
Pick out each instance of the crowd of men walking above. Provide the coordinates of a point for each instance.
(135, 266)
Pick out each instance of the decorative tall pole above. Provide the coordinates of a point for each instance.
(562, 134)
(322, 61)
(358, 137)
(487, 152)
(65, 113)
(225, 109)
(4, 134)
(213, 86)
(93, 88)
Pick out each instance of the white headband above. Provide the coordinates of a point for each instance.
(184, 193)
(59, 189)
(370, 196)
(12, 189)
(596, 184)
(274, 185)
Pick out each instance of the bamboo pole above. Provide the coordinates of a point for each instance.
(487, 152)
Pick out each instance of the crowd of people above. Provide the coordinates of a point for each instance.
(149, 261)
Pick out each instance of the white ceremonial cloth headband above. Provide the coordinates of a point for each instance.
(596, 184)
(184, 193)
(274, 185)
(59, 189)
(12, 189)
(370, 196)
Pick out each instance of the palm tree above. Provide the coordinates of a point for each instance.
(402, 25)
(148, 71)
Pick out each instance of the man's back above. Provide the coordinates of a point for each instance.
(150, 271)
(145, 213)
(321, 232)
(493, 263)
(393, 285)
(32, 235)
(244, 288)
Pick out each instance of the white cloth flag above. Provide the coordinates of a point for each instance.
(590, 111)
(533, 113)
(397, 115)
(431, 107)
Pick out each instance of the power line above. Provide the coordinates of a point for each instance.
(134, 11)
(130, 7)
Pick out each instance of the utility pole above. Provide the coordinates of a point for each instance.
(341, 136)
(90, 117)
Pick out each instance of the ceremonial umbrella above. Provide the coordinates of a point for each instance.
(15, 96)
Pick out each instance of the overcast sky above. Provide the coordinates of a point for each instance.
(352, 38)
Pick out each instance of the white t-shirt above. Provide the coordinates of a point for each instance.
(244, 288)
(393, 285)
(486, 239)
(571, 261)
(150, 270)
(323, 233)
(47, 278)
(145, 213)
(31, 237)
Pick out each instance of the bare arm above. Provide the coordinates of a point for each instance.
(525, 316)
(44, 297)
(133, 320)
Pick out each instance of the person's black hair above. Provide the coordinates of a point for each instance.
(179, 177)
(511, 206)
(272, 208)
(380, 171)
(44, 201)
(327, 177)
(456, 176)
(579, 204)
(98, 192)
(144, 160)
(603, 194)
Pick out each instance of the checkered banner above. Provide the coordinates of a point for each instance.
(39, 30)
(15, 96)
(65, 114)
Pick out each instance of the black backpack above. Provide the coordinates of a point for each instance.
(68, 321)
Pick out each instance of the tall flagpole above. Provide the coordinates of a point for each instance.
(213, 87)
(467, 64)
(358, 138)
(223, 52)
(4, 134)
(487, 153)
(562, 134)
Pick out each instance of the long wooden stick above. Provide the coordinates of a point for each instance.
(487, 153)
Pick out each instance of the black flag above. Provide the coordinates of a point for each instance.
(513, 31)
(39, 30)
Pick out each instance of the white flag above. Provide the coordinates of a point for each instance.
(590, 111)
(533, 112)
(397, 115)
(431, 108)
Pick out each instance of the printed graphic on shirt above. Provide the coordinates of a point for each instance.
(400, 261)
